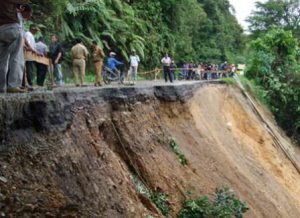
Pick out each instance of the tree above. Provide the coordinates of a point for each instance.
(221, 37)
(279, 13)
(193, 30)
(274, 64)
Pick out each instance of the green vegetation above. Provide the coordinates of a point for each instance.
(177, 151)
(256, 90)
(190, 30)
(229, 81)
(275, 13)
(274, 60)
(160, 199)
(225, 205)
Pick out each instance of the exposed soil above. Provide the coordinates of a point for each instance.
(71, 154)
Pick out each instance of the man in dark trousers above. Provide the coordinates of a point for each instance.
(56, 55)
(29, 37)
(173, 67)
(42, 49)
(11, 47)
(166, 62)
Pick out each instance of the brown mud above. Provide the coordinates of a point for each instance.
(72, 153)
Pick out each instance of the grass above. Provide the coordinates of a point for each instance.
(176, 149)
(160, 199)
(251, 87)
(255, 90)
(229, 81)
(225, 205)
(90, 78)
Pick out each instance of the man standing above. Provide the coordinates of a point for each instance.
(11, 47)
(173, 67)
(134, 60)
(24, 13)
(29, 36)
(166, 61)
(42, 49)
(98, 56)
(80, 55)
(56, 55)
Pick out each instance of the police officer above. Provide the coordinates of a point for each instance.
(80, 55)
(98, 56)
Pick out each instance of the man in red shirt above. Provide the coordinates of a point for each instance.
(11, 46)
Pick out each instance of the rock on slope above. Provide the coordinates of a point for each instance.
(71, 153)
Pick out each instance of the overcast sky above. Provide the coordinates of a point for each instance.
(243, 9)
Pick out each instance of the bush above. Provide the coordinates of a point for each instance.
(256, 90)
(160, 199)
(225, 205)
(273, 64)
(177, 151)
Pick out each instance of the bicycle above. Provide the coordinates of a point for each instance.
(109, 76)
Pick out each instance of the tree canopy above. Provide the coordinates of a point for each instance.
(274, 60)
(279, 13)
(190, 30)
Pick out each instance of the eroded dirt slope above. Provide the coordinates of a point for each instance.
(71, 154)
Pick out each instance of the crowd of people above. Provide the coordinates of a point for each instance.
(191, 71)
(20, 53)
(14, 43)
(207, 71)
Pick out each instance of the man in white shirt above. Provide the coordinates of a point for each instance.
(134, 60)
(29, 36)
(166, 62)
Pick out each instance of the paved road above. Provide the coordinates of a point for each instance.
(89, 87)
(139, 84)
